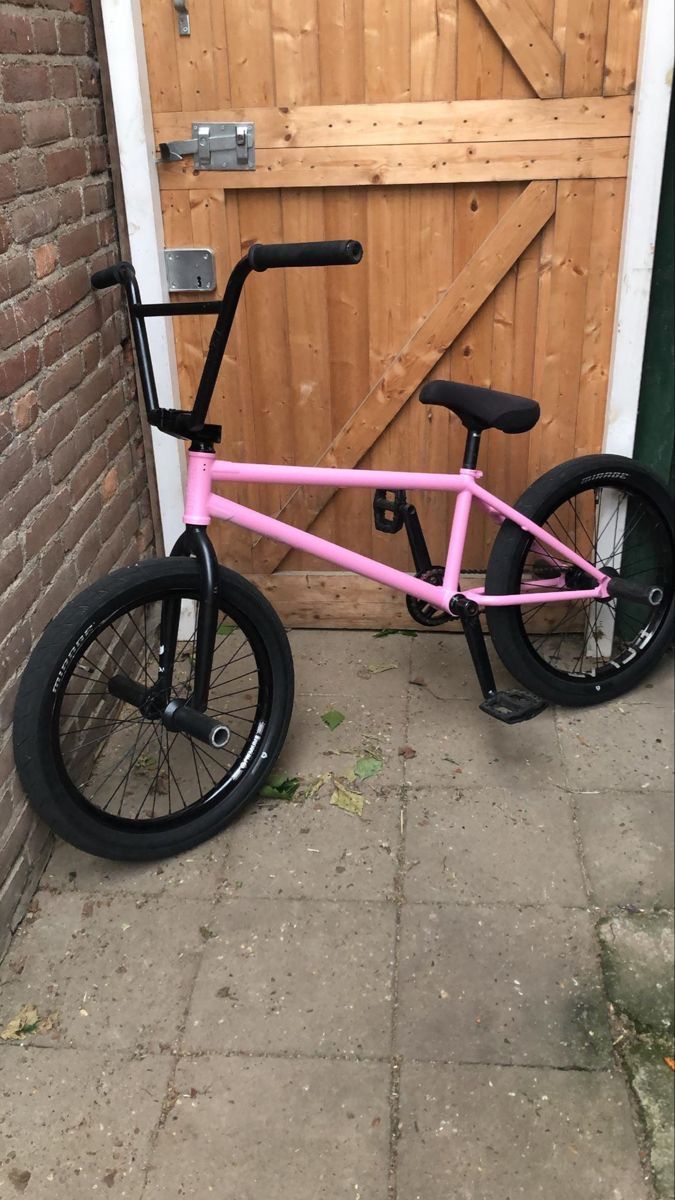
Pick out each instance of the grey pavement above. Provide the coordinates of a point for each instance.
(408, 1005)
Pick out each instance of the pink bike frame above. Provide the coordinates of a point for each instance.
(201, 505)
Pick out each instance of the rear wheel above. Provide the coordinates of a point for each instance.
(618, 516)
(109, 778)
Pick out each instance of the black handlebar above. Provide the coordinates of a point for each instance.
(305, 254)
(119, 273)
(191, 423)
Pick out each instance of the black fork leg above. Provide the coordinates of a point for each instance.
(196, 541)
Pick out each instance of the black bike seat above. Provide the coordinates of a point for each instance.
(482, 408)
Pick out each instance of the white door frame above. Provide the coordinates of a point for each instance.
(133, 118)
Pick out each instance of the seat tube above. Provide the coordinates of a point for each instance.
(460, 522)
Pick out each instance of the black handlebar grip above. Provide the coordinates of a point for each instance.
(112, 275)
(305, 254)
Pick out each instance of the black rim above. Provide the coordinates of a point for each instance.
(620, 531)
(130, 769)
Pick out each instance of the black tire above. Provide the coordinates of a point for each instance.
(51, 737)
(530, 656)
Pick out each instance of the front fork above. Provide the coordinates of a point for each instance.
(195, 541)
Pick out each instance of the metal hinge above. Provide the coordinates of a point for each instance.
(224, 146)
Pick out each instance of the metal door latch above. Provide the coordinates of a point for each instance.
(183, 17)
(223, 146)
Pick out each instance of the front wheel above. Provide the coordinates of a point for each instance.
(109, 777)
(618, 516)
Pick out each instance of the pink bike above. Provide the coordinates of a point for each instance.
(158, 700)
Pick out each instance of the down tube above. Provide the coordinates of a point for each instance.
(309, 543)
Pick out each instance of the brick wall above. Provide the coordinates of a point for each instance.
(74, 497)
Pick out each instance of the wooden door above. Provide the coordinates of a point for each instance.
(478, 149)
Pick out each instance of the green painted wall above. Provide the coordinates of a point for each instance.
(655, 433)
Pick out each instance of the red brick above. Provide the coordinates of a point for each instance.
(89, 470)
(66, 292)
(27, 496)
(46, 125)
(24, 411)
(34, 220)
(18, 369)
(47, 522)
(45, 258)
(6, 431)
(82, 120)
(68, 454)
(15, 34)
(44, 35)
(7, 181)
(81, 326)
(31, 313)
(15, 276)
(64, 82)
(11, 562)
(72, 37)
(89, 79)
(79, 522)
(10, 132)
(66, 164)
(97, 196)
(70, 205)
(52, 347)
(8, 331)
(26, 81)
(30, 172)
(98, 157)
(78, 243)
(59, 381)
(15, 463)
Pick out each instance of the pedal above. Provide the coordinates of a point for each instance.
(387, 510)
(513, 707)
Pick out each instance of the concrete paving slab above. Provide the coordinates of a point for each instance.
(652, 1081)
(501, 985)
(117, 971)
(312, 748)
(295, 977)
(442, 661)
(352, 662)
(487, 845)
(626, 748)
(273, 1129)
(628, 848)
(195, 875)
(76, 1123)
(658, 689)
(638, 965)
(497, 1133)
(314, 850)
(457, 744)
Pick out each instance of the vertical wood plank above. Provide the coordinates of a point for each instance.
(480, 55)
(585, 40)
(202, 59)
(623, 44)
(160, 34)
(433, 50)
(250, 56)
(177, 215)
(566, 319)
(599, 317)
(341, 52)
(387, 49)
(295, 34)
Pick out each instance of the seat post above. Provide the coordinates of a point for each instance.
(471, 450)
